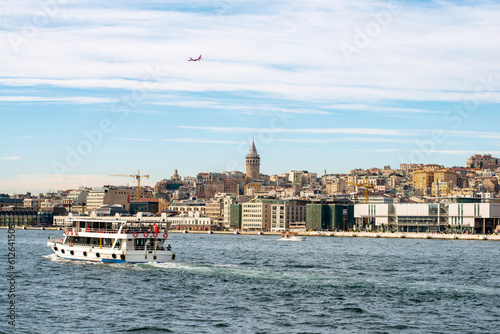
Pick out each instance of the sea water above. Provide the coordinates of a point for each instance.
(258, 284)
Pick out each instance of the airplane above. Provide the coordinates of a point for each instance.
(196, 59)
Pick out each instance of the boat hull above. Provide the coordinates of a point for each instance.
(108, 255)
(293, 239)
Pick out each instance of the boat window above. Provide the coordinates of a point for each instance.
(139, 244)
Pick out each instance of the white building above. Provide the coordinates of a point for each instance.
(428, 217)
(256, 215)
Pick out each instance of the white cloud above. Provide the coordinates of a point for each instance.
(342, 139)
(134, 139)
(203, 141)
(72, 99)
(360, 131)
(14, 157)
(365, 107)
(415, 57)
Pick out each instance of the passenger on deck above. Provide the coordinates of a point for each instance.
(169, 247)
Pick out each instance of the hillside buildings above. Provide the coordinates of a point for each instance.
(482, 162)
(411, 198)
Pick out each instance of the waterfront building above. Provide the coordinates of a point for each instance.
(18, 216)
(329, 216)
(414, 217)
(232, 211)
(226, 209)
(459, 217)
(21, 216)
(256, 214)
(234, 217)
(283, 213)
(252, 164)
(193, 221)
(475, 217)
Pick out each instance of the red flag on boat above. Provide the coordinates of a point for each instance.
(155, 228)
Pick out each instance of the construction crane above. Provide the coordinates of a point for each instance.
(138, 177)
(366, 186)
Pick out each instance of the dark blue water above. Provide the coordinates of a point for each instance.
(257, 284)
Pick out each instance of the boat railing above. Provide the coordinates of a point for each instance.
(113, 231)
(158, 248)
(78, 244)
(81, 244)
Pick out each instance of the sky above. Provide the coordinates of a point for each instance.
(89, 89)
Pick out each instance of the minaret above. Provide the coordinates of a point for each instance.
(175, 177)
(253, 164)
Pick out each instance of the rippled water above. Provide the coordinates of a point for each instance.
(257, 284)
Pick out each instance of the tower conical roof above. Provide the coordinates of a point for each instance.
(253, 150)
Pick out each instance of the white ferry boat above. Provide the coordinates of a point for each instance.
(115, 241)
(291, 236)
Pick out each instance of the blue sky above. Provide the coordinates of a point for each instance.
(90, 89)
